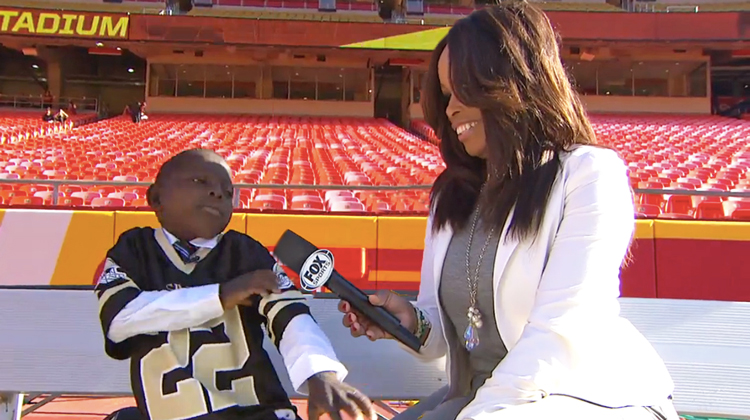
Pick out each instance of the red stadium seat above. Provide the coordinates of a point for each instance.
(70, 201)
(267, 204)
(307, 205)
(107, 202)
(681, 204)
(26, 200)
(647, 210)
(86, 196)
(742, 214)
(662, 151)
(139, 202)
(709, 210)
(346, 206)
(47, 196)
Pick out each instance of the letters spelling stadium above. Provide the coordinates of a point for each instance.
(316, 107)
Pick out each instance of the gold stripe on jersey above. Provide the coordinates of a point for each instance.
(174, 257)
(290, 295)
(279, 309)
(113, 291)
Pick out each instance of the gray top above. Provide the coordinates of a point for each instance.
(478, 364)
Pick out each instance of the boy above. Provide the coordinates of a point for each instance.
(185, 303)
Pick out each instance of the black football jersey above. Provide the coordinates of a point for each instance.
(215, 371)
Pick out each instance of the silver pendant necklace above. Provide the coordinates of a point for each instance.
(471, 334)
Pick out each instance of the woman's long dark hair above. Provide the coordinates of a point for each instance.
(505, 61)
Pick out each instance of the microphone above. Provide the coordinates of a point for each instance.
(315, 269)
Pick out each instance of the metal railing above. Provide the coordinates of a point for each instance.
(639, 6)
(651, 7)
(683, 9)
(37, 102)
(57, 183)
(702, 193)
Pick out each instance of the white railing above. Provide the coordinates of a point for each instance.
(682, 9)
(57, 183)
(37, 102)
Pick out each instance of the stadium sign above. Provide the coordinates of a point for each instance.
(63, 24)
(425, 40)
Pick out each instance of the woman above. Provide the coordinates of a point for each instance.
(527, 310)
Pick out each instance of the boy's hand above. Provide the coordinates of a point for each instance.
(329, 395)
(238, 290)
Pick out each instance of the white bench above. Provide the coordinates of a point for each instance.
(51, 344)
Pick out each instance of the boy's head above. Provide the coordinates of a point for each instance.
(192, 194)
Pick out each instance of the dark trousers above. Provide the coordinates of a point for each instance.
(127, 413)
(132, 413)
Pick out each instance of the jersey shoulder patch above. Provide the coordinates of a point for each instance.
(111, 272)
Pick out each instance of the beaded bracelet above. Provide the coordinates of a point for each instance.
(423, 325)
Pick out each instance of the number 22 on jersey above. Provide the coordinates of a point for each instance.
(207, 362)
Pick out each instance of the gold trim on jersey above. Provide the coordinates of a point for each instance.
(279, 301)
(174, 257)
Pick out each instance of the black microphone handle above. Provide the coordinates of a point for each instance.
(293, 250)
(380, 316)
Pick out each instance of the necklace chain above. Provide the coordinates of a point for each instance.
(474, 280)
(474, 317)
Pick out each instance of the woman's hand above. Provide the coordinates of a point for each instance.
(360, 325)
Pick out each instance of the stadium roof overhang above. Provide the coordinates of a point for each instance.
(254, 52)
(146, 33)
(705, 29)
(416, 44)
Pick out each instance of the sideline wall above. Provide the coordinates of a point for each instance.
(670, 259)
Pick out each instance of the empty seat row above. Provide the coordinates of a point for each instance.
(668, 152)
(373, 157)
(260, 150)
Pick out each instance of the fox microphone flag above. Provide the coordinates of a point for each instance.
(316, 269)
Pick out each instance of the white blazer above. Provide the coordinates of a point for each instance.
(556, 305)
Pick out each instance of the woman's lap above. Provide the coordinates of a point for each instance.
(552, 407)
(432, 408)
(559, 407)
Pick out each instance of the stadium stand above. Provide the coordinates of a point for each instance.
(704, 153)
(423, 129)
(18, 126)
(265, 150)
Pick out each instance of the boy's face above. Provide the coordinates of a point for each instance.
(195, 198)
